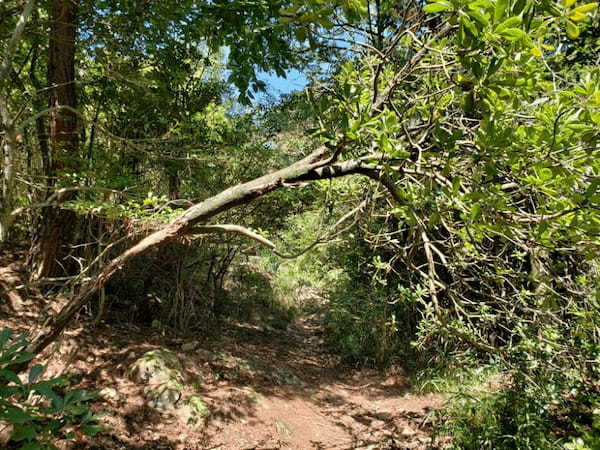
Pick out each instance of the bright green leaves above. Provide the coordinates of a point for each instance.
(577, 14)
(437, 6)
(584, 9)
(320, 12)
(513, 34)
(509, 23)
(482, 19)
(510, 29)
(500, 10)
(352, 112)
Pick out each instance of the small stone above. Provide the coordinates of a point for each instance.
(407, 432)
(108, 393)
(189, 346)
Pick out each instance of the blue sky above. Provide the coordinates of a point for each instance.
(277, 86)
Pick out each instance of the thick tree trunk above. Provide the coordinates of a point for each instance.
(316, 166)
(63, 131)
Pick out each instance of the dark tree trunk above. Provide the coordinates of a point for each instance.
(174, 183)
(63, 133)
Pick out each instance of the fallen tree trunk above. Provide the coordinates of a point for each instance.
(317, 166)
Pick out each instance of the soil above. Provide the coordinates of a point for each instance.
(265, 389)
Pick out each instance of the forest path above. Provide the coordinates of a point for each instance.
(309, 401)
(265, 388)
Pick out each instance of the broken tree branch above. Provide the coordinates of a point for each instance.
(316, 166)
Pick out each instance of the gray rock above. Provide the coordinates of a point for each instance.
(161, 375)
(164, 396)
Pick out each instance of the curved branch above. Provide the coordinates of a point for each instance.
(316, 166)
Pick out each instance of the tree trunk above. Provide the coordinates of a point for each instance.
(9, 142)
(63, 132)
(7, 188)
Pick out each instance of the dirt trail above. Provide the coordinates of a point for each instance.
(322, 405)
(266, 389)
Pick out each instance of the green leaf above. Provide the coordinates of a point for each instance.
(5, 336)
(91, 430)
(572, 30)
(22, 433)
(100, 415)
(325, 22)
(545, 174)
(78, 410)
(479, 17)
(475, 211)
(15, 415)
(577, 17)
(35, 372)
(301, 34)
(73, 397)
(508, 23)
(583, 9)
(466, 22)
(592, 188)
(437, 7)
(513, 34)
(500, 9)
(45, 388)
(8, 391)
(10, 376)
(33, 446)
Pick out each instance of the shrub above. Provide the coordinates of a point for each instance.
(371, 328)
(38, 412)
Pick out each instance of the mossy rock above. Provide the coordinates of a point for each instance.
(157, 367)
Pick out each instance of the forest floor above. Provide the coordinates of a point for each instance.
(264, 389)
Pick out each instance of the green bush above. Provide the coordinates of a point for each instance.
(521, 418)
(548, 398)
(371, 328)
(38, 412)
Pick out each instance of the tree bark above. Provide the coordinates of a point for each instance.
(9, 143)
(63, 131)
(316, 166)
(6, 202)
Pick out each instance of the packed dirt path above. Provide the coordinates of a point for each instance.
(316, 403)
(264, 388)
